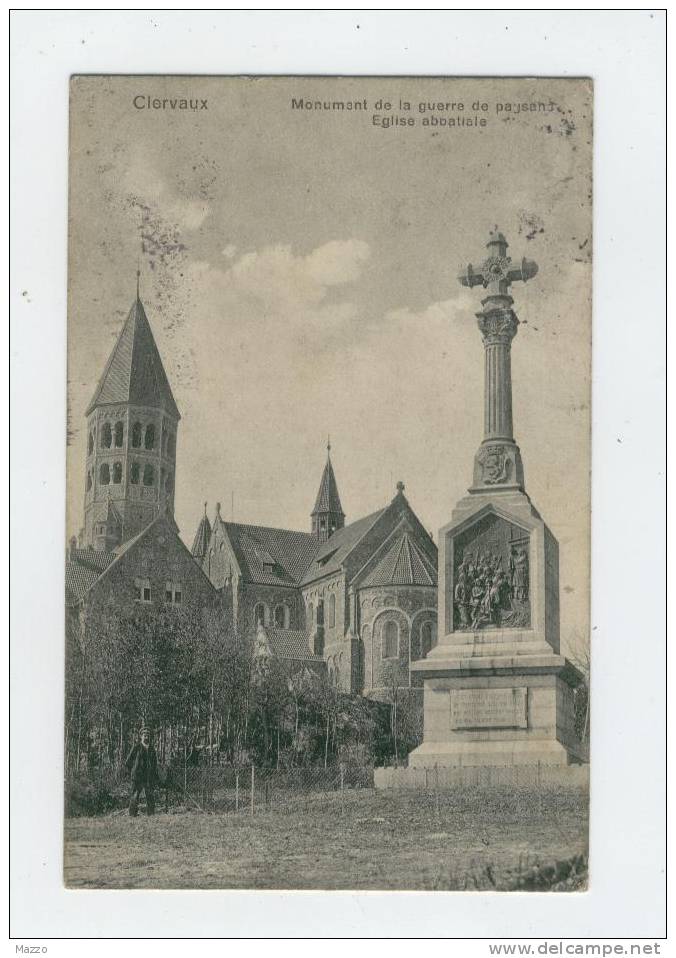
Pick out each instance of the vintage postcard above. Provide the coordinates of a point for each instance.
(328, 492)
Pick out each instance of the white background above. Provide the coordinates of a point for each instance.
(624, 53)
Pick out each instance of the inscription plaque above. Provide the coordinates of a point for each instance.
(489, 708)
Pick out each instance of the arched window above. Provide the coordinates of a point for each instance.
(148, 475)
(261, 614)
(106, 436)
(164, 438)
(89, 481)
(318, 644)
(170, 484)
(171, 445)
(332, 611)
(90, 444)
(117, 472)
(282, 616)
(311, 615)
(150, 436)
(134, 473)
(390, 640)
(119, 434)
(320, 613)
(104, 474)
(136, 435)
(428, 636)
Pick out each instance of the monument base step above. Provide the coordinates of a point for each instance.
(492, 753)
(484, 776)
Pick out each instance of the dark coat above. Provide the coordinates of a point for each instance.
(142, 764)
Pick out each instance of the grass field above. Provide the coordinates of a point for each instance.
(463, 838)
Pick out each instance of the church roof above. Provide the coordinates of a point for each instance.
(290, 644)
(134, 372)
(271, 556)
(330, 555)
(202, 537)
(328, 499)
(83, 568)
(403, 564)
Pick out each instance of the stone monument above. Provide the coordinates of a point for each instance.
(497, 691)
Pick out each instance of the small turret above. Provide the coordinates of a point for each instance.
(327, 515)
(200, 544)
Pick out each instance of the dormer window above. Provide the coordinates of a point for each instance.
(322, 560)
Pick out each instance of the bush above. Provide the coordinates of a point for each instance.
(86, 797)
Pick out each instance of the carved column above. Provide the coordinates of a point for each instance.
(498, 464)
(498, 325)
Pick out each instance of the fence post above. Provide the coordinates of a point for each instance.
(253, 781)
(236, 791)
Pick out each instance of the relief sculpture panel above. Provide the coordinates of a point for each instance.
(491, 576)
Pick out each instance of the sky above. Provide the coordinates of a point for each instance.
(299, 271)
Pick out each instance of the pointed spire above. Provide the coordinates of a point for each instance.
(138, 282)
(134, 372)
(327, 515)
(202, 539)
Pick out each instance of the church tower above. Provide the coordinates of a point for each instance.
(327, 515)
(132, 423)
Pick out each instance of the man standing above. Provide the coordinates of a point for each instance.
(142, 764)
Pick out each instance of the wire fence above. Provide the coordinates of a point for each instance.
(245, 789)
(251, 790)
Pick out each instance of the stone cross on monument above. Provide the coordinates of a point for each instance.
(497, 691)
(498, 461)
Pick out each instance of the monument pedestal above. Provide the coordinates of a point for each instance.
(496, 690)
(497, 711)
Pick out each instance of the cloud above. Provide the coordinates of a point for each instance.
(144, 187)
(284, 282)
(337, 262)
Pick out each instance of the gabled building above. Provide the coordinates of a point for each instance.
(362, 596)
(154, 571)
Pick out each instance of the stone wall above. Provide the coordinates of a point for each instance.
(271, 598)
(408, 608)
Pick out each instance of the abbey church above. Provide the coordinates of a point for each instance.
(357, 598)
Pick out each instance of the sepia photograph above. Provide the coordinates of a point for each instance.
(327, 570)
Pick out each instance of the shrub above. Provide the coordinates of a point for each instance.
(86, 797)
